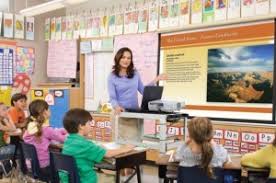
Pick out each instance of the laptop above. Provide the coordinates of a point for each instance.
(150, 93)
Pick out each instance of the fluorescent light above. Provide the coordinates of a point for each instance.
(49, 6)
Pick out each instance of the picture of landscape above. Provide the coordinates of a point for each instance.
(241, 74)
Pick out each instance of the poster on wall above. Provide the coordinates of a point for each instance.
(208, 10)
(184, 18)
(76, 29)
(63, 28)
(8, 25)
(25, 60)
(262, 7)
(53, 28)
(196, 11)
(119, 21)
(6, 66)
(153, 16)
(164, 20)
(47, 29)
(69, 27)
(220, 10)
(19, 27)
(247, 8)
(111, 25)
(242, 74)
(174, 13)
(58, 28)
(30, 28)
(143, 20)
(104, 25)
(234, 9)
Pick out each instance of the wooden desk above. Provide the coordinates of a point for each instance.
(127, 160)
(132, 159)
(164, 165)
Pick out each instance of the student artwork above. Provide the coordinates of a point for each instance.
(19, 27)
(134, 22)
(143, 21)
(22, 83)
(164, 14)
(104, 26)
(25, 60)
(262, 7)
(76, 28)
(58, 28)
(119, 21)
(196, 8)
(50, 99)
(220, 10)
(5, 94)
(89, 27)
(208, 10)
(47, 29)
(234, 7)
(184, 17)
(63, 28)
(6, 66)
(174, 13)
(83, 25)
(96, 27)
(53, 28)
(69, 27)
(111, 25)
(30, 28)
(127, 22)
(248, 8)
(8, 25)
(153, 16)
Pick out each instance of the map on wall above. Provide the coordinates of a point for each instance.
(242, 74)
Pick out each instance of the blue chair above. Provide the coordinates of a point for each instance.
(271, 181)
(196, 174)
(30, 154)
(64, 163)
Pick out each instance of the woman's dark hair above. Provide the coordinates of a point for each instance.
(201, 131)
(74, 118)
(117, 67)
(17, 97)
(37, 108)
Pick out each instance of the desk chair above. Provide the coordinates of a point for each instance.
(62, 162)
(30, 154)
(271, 181)
(196, 174)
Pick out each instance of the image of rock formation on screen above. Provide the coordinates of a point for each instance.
(242, 74)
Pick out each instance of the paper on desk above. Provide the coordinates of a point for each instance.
(171, 153)
(111, 145)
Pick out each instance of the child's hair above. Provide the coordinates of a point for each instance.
(74, 118)
(37, 108)
(17, 97)
(201, 131)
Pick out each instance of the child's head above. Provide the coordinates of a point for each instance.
(201, 132)
(19, 101)
(78, 121)
(39, 113)
(3, 110)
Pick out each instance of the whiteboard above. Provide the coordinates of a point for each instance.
(98, 66)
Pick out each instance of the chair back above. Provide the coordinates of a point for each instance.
(62, 162)
(30, 155)
(196, 174)
(271, 181)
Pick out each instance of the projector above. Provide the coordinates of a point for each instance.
(165, 106)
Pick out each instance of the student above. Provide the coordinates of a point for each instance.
(262, 158)
(6, 127)
(41, 136)
(125, 81)
(16, 112)
(77, 122)
(199, 150)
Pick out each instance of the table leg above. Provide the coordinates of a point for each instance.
(138, 173)
(117, 176)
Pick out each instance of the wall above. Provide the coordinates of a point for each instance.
(39, 44)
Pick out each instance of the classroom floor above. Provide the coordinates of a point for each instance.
(149, 175)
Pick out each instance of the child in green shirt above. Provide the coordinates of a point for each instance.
(78, 122)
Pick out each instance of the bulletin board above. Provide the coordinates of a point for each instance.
(58, 100)
(102, 128)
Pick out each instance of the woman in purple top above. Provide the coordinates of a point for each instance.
(40, 135)
(124, 81)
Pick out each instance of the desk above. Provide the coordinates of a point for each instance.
(163, 144)
(164, 165)
(131, 159)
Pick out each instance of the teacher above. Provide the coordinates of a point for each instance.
(124, 81)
